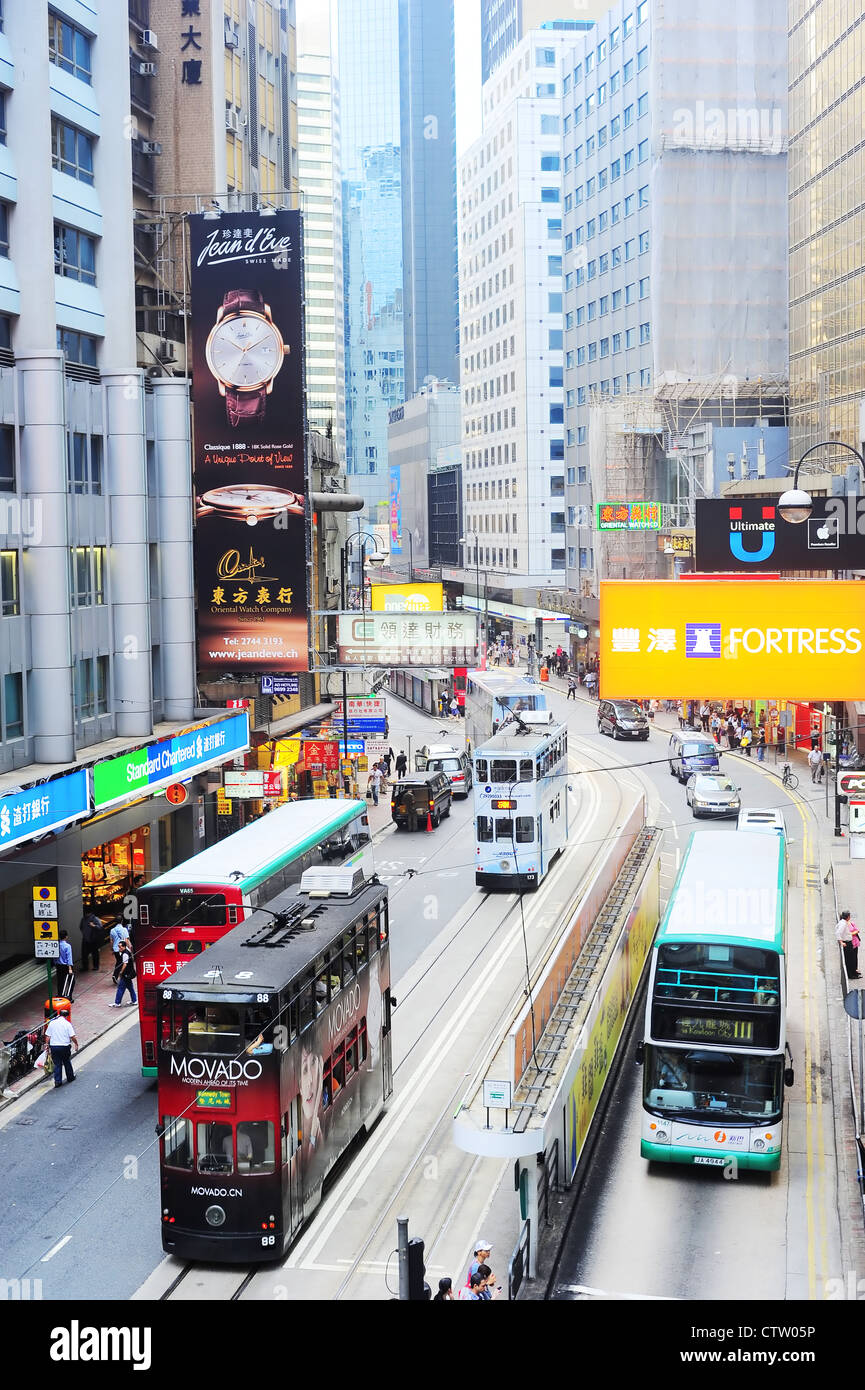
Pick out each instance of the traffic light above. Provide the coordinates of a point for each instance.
(418, 1290)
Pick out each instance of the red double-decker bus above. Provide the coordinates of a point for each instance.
(183, 912)
(274, 1054)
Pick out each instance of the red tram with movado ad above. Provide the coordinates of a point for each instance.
(274, 1054)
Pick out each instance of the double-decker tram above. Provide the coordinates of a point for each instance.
(274, 1054)
(521, 803)
(715, 1047)
(492, 697)
(185, 910)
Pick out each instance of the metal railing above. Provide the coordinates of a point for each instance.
(548, 1180)
(518, 1265)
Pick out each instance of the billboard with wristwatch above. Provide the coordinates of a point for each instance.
(250, 531)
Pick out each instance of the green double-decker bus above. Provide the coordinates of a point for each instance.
(715, 1050)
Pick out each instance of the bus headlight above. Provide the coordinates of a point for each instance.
(215, 1216)
(661, 1136)
(758, 1145)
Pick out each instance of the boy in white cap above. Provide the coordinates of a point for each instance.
(481, 1257)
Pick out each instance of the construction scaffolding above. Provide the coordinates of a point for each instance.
(626, 465)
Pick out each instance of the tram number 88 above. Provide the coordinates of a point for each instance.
(268, 1240)
(262, 999)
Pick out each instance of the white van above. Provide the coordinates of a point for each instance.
(454, 762)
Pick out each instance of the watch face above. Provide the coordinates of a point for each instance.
(251, 504)
(244, 351)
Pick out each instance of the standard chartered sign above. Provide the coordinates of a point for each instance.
(714, 639)
(148, 769)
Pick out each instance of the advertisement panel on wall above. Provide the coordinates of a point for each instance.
(156, 765)
(713, 638)
(407, 598)
(395, 513)
(247, 371)
(432, 639)
(749, 534)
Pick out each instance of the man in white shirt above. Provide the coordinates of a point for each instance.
(848, 935)
(815, 762)
(60, 1036)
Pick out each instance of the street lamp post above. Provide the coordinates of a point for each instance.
(343, 571)
(796, 505)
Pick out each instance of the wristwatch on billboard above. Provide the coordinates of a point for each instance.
(250, 503)
(244, 351)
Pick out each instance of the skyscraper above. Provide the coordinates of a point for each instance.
(399, 173)
(505, 22)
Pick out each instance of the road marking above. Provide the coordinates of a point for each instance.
(587, 1292)
(53, 1251)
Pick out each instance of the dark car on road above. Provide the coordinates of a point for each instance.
(419, 795)
(622, 719)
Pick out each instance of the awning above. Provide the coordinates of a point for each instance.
(313, 714)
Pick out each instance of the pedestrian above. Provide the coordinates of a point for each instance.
(63, 969)
(387, 760)
(683, 715)
(119, 936)
(445, 1293)
(91, 940)
(705, 712)
(745, 740)
(653, 710)
(815, 762)
(591, 683)
(572, 688)
(733, 733)
(715, 727)
(60, 1038)
(472, 1291)
(847, 933)
(375, 782)
(761, 743)
(487, 1290)
(125, 977)
(454, 708)
(480, 1255)
(401, 764)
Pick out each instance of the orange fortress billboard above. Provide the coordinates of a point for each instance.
(711, 637)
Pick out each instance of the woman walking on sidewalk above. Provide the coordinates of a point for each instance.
(848, 934)
(125, 978)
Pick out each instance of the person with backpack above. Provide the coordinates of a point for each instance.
(125, 977)
(119, 935)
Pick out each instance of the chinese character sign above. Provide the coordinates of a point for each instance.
(251, 526)
(628, 516)
(39, 809)
(715, 638)
(405, 639)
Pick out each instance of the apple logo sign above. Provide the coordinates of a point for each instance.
(823, 532)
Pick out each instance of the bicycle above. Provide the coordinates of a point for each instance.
(789, 778)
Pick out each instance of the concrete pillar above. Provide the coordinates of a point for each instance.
(174, 513)
(45, 562)
(128, 558)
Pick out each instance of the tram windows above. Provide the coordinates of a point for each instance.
(171, 1029)
(338, 1070)
(306, 1000)
(481, 770)
(348, 966)
(527, 770)
(214, 1029)
(255, 1022)
(288, 1132)
(360, 945)
(384, 920)
(503, 770)
(322, 980)
(525, 830)
(485, 829)
(351, 1053)
(362, 1040)
(255, 1151)
(177, 1142)
(215, 1148)
(504, 829)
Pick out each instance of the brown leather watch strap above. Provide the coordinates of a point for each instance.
(248, 406)
(243, 302)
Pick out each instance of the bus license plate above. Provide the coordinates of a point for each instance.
(715, 1162)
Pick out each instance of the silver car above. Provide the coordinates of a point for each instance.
(713, 794)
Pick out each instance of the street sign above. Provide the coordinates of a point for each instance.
(44, 910)
(45, 893)
(47, 950)
(176, 794)
(854, 1003)
(45, 931)
(223, 805)
(497, 1095)
(851, 784)
(359, 726)
(364, 707)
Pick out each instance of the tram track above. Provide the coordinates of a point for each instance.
(494, 952)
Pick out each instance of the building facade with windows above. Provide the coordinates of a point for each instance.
(321, 194)
(511, 325)
(504, 23)
(398, 216)
(675, 249)
(827, 263)
(418, 431)
(97, 655)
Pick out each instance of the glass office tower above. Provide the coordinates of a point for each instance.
(399, 212)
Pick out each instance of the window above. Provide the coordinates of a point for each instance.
(556, 377)
(554, 265)
(616, 257)
(602, 50)
(642, 11)
(627, 25)
(582, 434)
(644, 242)
(102, 670)
(616, 213)
(617, 342)
(557, 450)
(572, 476)
(615, 170)
(642, 58)
(7, 458)
(602, 178)
(593, 352)
(4, 229)
(69, 47)
(614, 38)
(557, 485)
(550, 163)
(71, 151)
(604, 305)
(630, 293)
(629, 204)
(643, 151)
(545, 89)
(84, 693)
(629, 249)
(88, 567)
(581, 395)
(645, 377)
(557, 414)
(628, 70)
(581, 357)
(554, 302)
(581, 315)
(629, 160)
(545, 57)
(605, 347)
(578, 73)
(593, 309)
(615, 126)
(628, 116)
(74, 254)
(602, 93)
(590, 229)
(572, 553)
(617, 386)
(8, 583)
(85, 462)
(549, 125)
(644, 287)
(590, 103)
(644, 332)
(77, 347)
(555, 339)
(590, 145)
(602, 137)
(591, 270)
(644, 196)
(590, 62)
(590, 186)
(554, 227)
(177, 1142)
(550, 195)
(630, 337)
(617, 294)
(2, 118)
(603, 263)
(615, 84)
(642, 104)
(557, 559)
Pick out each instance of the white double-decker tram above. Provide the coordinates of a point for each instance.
(521, 802)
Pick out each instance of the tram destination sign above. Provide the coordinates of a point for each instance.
(213, 1100)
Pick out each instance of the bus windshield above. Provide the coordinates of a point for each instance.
(696, 1084)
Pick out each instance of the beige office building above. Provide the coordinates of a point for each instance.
(827, 225)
